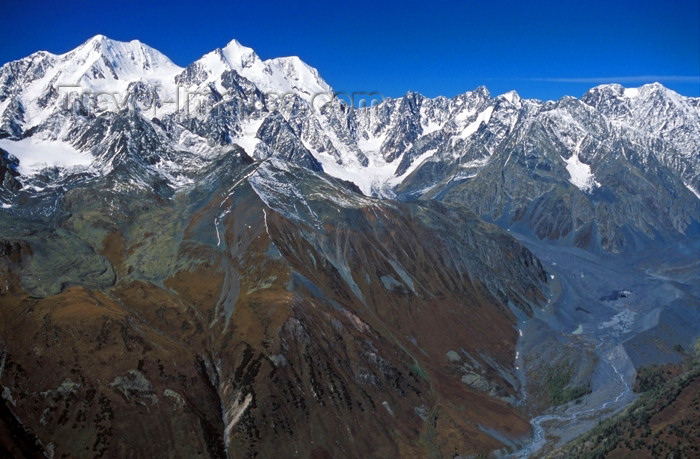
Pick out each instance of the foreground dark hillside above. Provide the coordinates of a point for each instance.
(316, 322)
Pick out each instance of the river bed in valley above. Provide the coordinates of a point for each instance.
(620, 311)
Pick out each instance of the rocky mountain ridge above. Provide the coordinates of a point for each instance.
(613, 169)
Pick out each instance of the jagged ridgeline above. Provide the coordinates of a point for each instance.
(228, 260)
(615, 170)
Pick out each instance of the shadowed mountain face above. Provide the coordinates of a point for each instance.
(226, 260)
(568, 172)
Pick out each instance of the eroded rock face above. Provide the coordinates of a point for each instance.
(9, 181)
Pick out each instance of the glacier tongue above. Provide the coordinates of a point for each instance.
(34, 156)
(580, 173)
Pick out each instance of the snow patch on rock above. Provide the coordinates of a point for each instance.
(36, 155)
(580, 174)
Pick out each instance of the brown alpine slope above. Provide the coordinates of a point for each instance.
(246, 319)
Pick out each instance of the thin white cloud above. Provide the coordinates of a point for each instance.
(625, 79)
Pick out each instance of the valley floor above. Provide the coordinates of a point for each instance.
(620, 311)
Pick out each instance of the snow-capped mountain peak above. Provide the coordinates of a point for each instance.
(277, 76)
(297, 76)
(239, 57)
(43, 83)
(101, 58)
(511, 96)
(406, 147)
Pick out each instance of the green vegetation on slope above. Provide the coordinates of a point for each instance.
(558, 379)
(663, 422)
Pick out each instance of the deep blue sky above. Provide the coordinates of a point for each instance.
(542, 49)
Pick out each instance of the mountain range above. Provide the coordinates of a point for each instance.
(232, 259)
